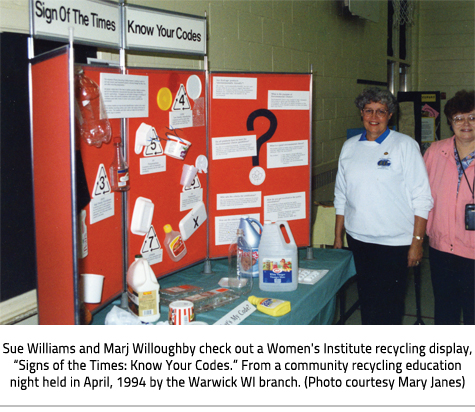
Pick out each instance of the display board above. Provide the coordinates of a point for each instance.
(260, 153)
(173, 134)
(100, 219)
(52, 185)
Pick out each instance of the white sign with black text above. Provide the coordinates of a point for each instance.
(150, 29)
(94, 22)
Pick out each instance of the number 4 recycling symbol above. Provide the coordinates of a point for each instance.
(102, 185)
(181, 100)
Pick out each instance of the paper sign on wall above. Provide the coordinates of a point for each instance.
(101, 208)
(287, 154)
(124, 96)
(289, 206)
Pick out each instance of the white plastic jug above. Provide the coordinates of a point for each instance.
(278, 260)
(143, 291)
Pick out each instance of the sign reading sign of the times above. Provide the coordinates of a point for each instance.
(154, 30)
(94, 22)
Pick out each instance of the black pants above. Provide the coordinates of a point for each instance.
(382, 275)
(453, 285)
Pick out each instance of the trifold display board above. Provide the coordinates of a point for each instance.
(253, 131)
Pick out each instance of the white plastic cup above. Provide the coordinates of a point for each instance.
(181, 312)
(91, 289)
(187, 175)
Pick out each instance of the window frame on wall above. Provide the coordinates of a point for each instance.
(398, 50)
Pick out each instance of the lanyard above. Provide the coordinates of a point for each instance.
(472, 190)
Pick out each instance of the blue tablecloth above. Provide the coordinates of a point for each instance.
(311, 304)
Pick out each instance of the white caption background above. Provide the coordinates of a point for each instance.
(244, 363)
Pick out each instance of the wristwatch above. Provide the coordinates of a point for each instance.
(418, 237)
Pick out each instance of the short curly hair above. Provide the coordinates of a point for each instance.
(376, 95)
(462, 102)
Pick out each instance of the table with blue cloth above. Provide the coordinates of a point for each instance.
(311, 304)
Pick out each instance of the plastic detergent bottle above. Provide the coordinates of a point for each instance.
(272, 307)
(174, 244)
(253, 238)
(143, 291)
(278, 260)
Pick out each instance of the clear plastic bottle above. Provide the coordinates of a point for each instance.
(94, 126)
(240, 265)
(119, 169)
(174, 244)
(253, 238)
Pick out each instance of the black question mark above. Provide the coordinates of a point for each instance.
(267, 135)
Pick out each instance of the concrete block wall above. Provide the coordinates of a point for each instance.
(304, 35)
(446, 49)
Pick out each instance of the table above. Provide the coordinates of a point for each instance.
(311, 304)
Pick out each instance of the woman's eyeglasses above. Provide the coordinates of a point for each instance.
(460, 120)
(379, 112)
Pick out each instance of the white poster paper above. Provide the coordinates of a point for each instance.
(190, 198)
(427, 129)
(124, 96)
(180, 120)
(237, 315)
(289, 206)
(226, 227)
(155, 164)
(287, 154)
(234, 88)
(243, 200)
(101, 208)
(288, 100)
(233, 147)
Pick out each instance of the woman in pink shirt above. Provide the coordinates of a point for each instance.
(451, 225)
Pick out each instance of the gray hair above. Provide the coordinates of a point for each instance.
(376, 95)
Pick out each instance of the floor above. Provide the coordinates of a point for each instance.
(410, 317)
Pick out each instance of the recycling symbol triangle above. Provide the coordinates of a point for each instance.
(181, 101)
(102, 185)
(150, 242)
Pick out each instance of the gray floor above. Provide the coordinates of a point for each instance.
(410, 317)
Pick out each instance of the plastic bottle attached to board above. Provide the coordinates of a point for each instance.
(143, 291)
(174, 244)
(278, 260)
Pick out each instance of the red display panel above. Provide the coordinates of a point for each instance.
(52, 189)
(176, 109)
(275, 183)
(104, 237)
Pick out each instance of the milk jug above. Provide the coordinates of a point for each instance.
(253, 238)
(278, 260)
(143, 291)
